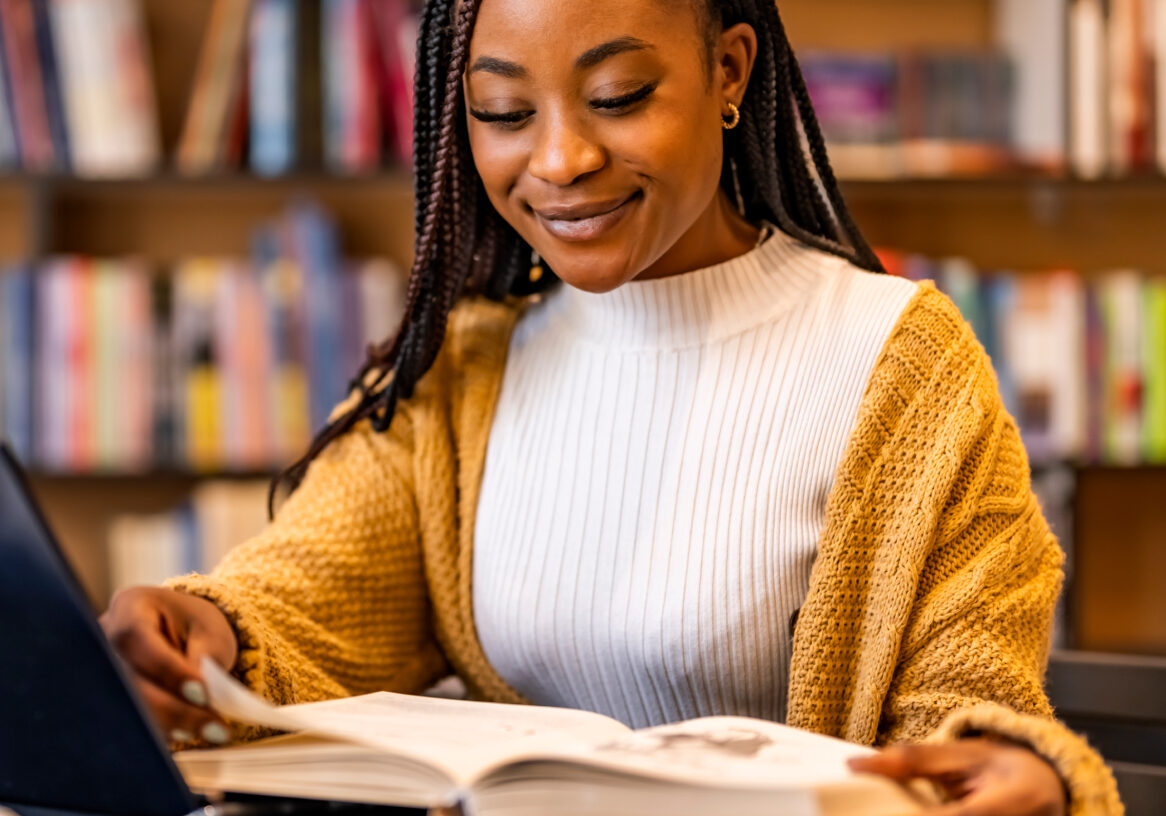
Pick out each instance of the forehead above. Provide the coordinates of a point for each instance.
(560, 30)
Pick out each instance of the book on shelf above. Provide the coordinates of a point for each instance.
(1154, 361)
(1032, 34)
(284, 84)
(1087, 88)
(16, 354)
(146, 549)
(1117, 99)
(496, 759)
(217, 90)
(221, 364)
(1120, 298)
(26, 75)
(914, 114)
(76, 88)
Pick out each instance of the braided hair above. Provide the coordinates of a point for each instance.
(775, 167)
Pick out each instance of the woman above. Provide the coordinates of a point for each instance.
(729, 469)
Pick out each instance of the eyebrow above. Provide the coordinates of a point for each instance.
(593, 56)
(588, 59)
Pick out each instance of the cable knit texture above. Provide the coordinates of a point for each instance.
(929, 606)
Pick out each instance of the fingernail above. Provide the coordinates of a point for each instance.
(195, 693)
(181, 735)
(213, 732)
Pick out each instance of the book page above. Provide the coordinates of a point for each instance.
(727, 751)
(746, 765)
(460, 737)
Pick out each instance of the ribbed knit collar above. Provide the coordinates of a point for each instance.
(699, 307)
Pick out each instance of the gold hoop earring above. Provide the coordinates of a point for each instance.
(734, 117)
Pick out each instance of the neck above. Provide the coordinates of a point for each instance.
(719, 234)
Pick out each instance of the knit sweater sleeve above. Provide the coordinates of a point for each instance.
(330, 599)
(973, 652)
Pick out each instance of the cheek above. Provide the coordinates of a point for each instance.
(678, 151)
(499, 162)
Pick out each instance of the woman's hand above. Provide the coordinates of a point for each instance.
(162, 635)
(982, 777)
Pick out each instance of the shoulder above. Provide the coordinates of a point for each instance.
(931, 374)
(930, 339)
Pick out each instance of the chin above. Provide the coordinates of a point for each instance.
(593, 277)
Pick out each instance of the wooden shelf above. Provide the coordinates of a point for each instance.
(167, 178)
(1019, 222)
(888, 24)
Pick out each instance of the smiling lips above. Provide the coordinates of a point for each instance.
(584, 222)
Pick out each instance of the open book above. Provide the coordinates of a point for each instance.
(499, 759)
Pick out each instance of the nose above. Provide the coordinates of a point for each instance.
(564, 152)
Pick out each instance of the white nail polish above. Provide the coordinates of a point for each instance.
(181, 735)
(213, 732)
(195, 693)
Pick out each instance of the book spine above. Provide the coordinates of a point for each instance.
(17, 307)
(220, 71)
(199, 384)
(133, 110)
(1087, 81)
(54, 101)
(272, 70)
(1154, 354)
(1032, 32)
(52, 367)
(18, 27)
(255, 366)
(1158, 40)
(1128, 95)
(316, 250)
(82, 343)
(165, 426)
(283, 287)
(136, 351)
(1122, 311)
(9, 133)
(110, 400)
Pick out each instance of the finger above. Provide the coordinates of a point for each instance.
(203, 642)
(945, 763)
(158, 660)
(181, 721)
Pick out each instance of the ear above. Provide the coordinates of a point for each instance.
(735, 55)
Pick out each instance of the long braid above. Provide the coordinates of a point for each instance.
(463, 245)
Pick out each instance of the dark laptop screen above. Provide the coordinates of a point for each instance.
(72, 735)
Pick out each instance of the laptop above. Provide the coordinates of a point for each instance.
(74, 737)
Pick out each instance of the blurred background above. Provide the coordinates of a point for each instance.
(205, 214)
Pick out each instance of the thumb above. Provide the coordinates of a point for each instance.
(889, 762)
(202, 642)
(903, 762)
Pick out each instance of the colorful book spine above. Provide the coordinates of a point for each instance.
(9, 135)
(17, 308)
(53, 95)
(1121, 309)
(273, 68)
(18, 28)
(1154, 355)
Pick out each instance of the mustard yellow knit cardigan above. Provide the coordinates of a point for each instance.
(929, 606)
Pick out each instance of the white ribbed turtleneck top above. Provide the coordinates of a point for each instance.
(656, 481)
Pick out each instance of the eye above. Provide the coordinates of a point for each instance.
(617, 103)
(508, 120)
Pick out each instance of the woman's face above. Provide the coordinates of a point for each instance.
(596, 129)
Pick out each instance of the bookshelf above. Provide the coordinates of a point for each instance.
(1018, 220)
